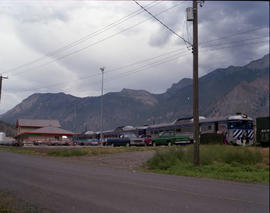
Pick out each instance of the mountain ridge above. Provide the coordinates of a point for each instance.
(217, 89)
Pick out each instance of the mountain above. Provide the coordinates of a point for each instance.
(250, 98)
(221, 92)
(9, 129)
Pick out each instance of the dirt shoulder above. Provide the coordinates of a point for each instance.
(121, 157)
(122, 160)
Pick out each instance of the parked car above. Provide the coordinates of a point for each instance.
(127, 139)
(169, 138)
(37, 143)
(15, 143)
(88, 142)
(147, 139)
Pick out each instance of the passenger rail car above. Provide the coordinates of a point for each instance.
(236, 129)
(263, 131)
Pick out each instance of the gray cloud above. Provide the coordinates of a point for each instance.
(31, 31)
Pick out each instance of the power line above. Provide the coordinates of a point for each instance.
(174, 52)
(236, 45)
(174, 57)
(232, 42)
(92, 44)
(122, 31)
(83, 39)
(163, 58)
(156, 63)
(232, 35)
(170, 29)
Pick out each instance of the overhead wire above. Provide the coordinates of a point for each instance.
(201, 45)
(232, 42)
(106, 39)
(232, 35)
(167, 27)
(109, 71)
(92, 44)
(167, 54)
(82, 39)
(173, 57)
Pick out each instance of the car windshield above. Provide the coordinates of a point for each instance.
(242, 124)
(164, 134)
(130, 135)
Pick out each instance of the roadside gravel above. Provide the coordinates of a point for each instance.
(122, 160)
(130, 160)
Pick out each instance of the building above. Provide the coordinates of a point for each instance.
(41, 131)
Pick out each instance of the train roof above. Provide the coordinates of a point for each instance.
(239, 117)
(225, 118)
(160, 125)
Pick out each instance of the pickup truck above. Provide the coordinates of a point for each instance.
(169, 138)
(127, 139)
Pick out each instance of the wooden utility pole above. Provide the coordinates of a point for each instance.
(196, 159)
(1, 79)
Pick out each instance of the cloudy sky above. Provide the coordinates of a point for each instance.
(60, 46)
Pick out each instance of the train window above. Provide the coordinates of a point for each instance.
(178, 130)
(209, 127)
(230, 125)
(250, 124)
(238, 124)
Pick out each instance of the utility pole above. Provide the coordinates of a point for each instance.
(196, 138)
(101, 104)
(192, 15)
(1, 79)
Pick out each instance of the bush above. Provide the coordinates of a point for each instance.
(165, 159)
(217, 161)
(243, 156)
(211, 138)
(208, 155)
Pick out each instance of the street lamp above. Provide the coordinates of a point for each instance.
(101, 104)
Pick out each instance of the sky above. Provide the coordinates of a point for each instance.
(60, 46)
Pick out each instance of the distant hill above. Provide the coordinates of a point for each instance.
(221, 92)
(9, 129)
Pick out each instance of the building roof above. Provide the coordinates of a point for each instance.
(37, 123)
(50, 130)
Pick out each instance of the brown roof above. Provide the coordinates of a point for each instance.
(50, 130)
(37, 123)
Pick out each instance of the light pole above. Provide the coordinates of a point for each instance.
(1, 79)
(101, 104)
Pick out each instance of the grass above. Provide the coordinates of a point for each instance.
(94, 151)
(248, 164)
(9, 203)
(67, 153)
(19, 150)
(78, 151)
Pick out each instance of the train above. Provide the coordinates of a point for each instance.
(235, 129)
(263, 131)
